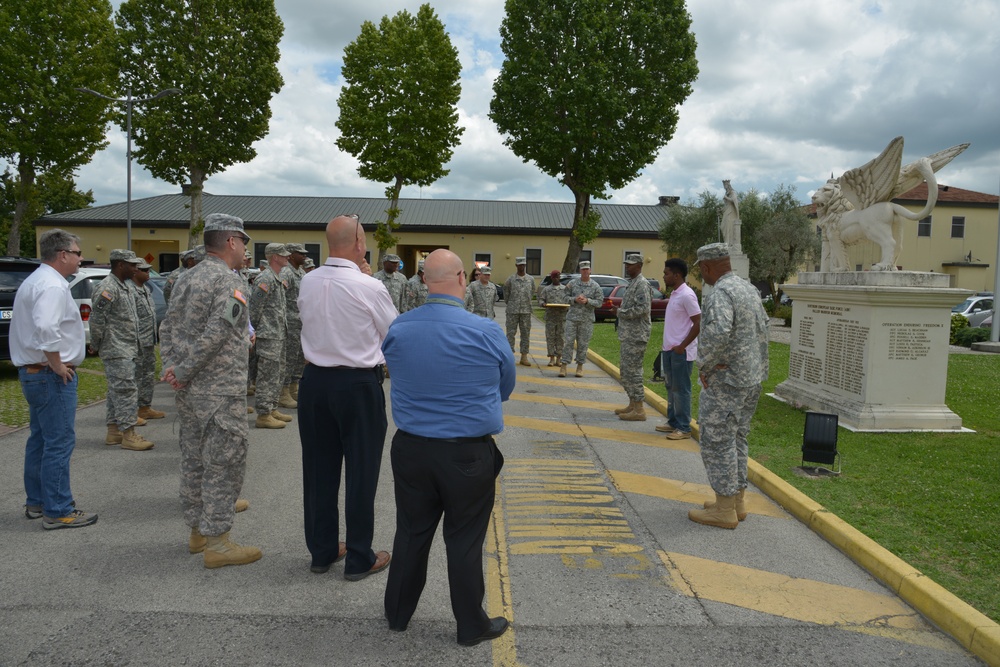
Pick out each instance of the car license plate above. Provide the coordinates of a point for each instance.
(6, 314)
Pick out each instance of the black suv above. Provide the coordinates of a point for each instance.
(13, 271)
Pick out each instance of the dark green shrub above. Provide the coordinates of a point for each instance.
(784, 313)
(958, 322)
(969, 335)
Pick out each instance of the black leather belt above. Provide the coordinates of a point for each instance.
(454, 441)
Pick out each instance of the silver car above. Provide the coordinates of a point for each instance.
(976, 308)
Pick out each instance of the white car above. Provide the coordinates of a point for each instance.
(83, 282)
(976, 308)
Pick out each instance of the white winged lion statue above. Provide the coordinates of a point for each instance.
(858, 205)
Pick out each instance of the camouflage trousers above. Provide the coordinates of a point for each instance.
(577, 332)
(145, 375)
(295, 361)
(520, 321)
(724, 414)
(252, 369)
(123, 394)
(632, 354)
(555, 332)
(270, 374)
(213, 440)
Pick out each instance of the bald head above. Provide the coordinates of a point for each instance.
(444, 273)
(346, 238)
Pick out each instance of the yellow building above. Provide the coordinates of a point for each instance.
(958, 238)
(492, 232)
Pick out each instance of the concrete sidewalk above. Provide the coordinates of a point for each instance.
(590, 555)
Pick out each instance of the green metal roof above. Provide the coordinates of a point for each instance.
(427, 215)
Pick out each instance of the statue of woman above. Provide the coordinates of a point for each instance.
(731, 219)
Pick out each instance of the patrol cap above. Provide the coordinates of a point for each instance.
(309, 263)
(223, 222)
(712, 251)
(390, 258)
(278, 249)
(486, 270)
(199, 253)
(518, 261)
(585, 264)
(248, 254)
(633, 259)
(144, 265)
(185, 254)
(420, 266)
(119, 255)
(295, 247)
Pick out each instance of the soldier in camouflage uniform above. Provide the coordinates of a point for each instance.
(204, 347)
(555, 318)
(114, 336)
(732, 364)
(294, 360)
(481, 295)
(145, 368)
(394, 281)
(585, 296)
(267, 313)
(416, 289)
(189, 259)
(517, 293)
(634, 326)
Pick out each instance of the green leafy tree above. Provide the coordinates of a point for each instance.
(786, 242)
(398, 109)
(223, 55)
(48, 48)
(590, 91)
(51, 192)
(688, 227)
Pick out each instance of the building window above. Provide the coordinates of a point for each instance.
(482, 259)
(534, 259)
(958, 227)
(924, 227)
(857, 267)
(368, 256)
(312, 251)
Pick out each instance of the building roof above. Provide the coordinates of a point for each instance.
(949, 195)
(418, 215)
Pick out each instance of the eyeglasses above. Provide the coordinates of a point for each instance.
(143, 270)
(78, 253)
(241, 237)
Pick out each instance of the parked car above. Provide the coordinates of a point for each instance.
(83, 282)
(13, 271)
(976, 308)
(599, 278)
(613, 299)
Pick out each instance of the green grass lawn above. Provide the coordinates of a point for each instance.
(932, 499)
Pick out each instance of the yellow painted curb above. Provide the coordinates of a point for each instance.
(971, 628)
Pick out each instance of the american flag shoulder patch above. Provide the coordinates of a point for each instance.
(239, 296)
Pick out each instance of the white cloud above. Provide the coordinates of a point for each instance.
(789, 91)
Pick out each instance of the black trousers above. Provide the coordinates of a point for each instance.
(342, 425)
(456, 480)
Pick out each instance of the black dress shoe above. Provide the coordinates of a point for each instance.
(497, 627)
(323, 569)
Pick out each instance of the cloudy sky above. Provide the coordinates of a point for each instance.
(789, 92)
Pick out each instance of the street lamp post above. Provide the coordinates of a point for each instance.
(128, 100)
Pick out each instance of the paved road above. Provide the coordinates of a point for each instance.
(590, 554)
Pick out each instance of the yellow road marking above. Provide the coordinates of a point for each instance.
(687, 492)
(553, 400)
(565, 382)
(599, 432)
(498, 592)
(800, 599)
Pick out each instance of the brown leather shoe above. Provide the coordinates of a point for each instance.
(323, 569)
(382, 559)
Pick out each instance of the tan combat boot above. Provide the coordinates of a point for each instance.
(286, 400)
(552, 361)
(524, 360)
(134, 441)
(139, 421)
(249, 410)
(741, 507)
(636, 414)
(562, 370)
(267, 421)
(295, 390)
(251, 390)
(197, 541)
(241, 505)
(147, 412)
(281, 416)
(627, 408)
(721, 515)
(219, 552)
(579, 370)
(114, 436)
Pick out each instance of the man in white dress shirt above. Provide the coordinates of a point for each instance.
(47, 343)
(345, 314)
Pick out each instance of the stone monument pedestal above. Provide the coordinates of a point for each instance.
(740, 264)
(872, 347)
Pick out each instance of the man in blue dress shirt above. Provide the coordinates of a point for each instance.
(451, 370)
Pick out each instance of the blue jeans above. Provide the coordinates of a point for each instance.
(52, 408)
(676, 371)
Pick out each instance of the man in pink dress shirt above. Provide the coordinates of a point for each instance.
(345, 314)
(681, 325)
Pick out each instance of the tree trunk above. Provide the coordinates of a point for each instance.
(570, 264)
(392, 192)
(26, 174)
(197, 223)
